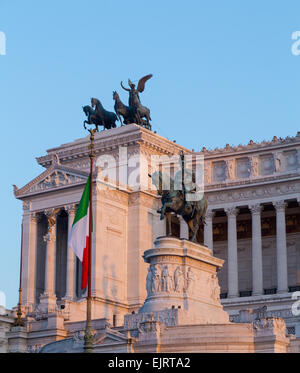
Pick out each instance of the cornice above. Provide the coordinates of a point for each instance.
(251, 147)
(25, 190)
(109, 141)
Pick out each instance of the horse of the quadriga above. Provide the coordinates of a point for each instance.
(92, 117)
(173, 200)
(107, 118)
(121, 109)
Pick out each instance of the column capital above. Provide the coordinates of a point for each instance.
(34, 217)
(255, 208)
(51, 215)
(26, 206)
(71, 209)
(231, 211)
(280, 205)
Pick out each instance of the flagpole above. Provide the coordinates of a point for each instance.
(18, 319)
(88, 338)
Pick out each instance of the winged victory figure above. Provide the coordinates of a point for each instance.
(141, 113)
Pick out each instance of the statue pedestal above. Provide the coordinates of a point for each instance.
(182, 278)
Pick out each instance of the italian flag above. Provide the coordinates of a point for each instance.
(79, 236)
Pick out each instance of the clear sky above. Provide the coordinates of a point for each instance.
(223, 72)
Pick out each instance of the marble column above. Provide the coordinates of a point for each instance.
(29, 241)
(281, 250)
(184, 228)
(232, 261)
(208, 229)
(71, 258)
(48, 298)
(257, 267)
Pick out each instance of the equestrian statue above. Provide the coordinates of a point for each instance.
(174, 199)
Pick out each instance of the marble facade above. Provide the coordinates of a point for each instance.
(252, 223)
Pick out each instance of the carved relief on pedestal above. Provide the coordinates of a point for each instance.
(213, 284)
(190, 281)
(167, 283)
(178, 280)
(167, 279)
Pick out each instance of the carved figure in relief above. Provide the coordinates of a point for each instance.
(278, 161)
(215, 289)
(254, 166)
(166, 280)
(230, 169)
(149, 281)
(178, 279)
(155, 280)
(190, 279)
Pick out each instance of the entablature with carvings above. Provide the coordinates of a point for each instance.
(271, 162)
(261, 193)
(129, 136)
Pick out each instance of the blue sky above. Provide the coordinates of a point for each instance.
(223, 72)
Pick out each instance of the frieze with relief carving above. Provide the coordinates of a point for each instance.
(169, 278)
(253, 193)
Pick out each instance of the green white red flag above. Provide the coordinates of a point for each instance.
(79, 236)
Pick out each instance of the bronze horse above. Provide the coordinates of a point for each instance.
(193, 212)
(92, 117)
(107, 118)
(127, 112)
